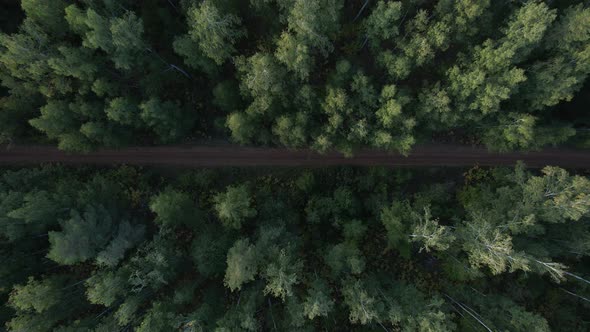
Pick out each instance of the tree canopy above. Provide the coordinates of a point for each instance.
(500, 249)
(320, 74)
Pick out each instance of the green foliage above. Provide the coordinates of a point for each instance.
(55, 121)
(517, 131)
(295, 73)
(128, 44)
(364, 308)
(158, 318)
(489, 76)
(82, 236)
(47, 14)
(234, 206)
(154, 265)
(209, 250)
(106, 287)
(38, 296)
(123, 111)
(345, 258)
(282, 275)
(241, 317)
(318, 302)
(382, 23)
(214, 32)
(392, 219)
(165, 118)
(430, 234)
(127, 236)
(262, 79)
(242, 265)
(415, 311)
(310, 24)
(174, 208)
(561, 73)
(336, 248)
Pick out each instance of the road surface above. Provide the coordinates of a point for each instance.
(229, 155)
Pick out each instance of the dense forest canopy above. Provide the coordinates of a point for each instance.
(326, 74)
(334, 249)
(340, 249)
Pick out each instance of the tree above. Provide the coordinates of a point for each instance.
(38, 210)
(58, 122)
(242, 127)
(382, 23)
(234, 206)
(159, 317)
(396, 131)
(489, 76)
(345, 258)
(426, 39)
(415, 311)
(392, 219)
(363, 306)
(430, 234)
(291, 130)
(124, 111)
(282, 274)
(128, 309)
(127, 237)
(174, 208)
(127, 39)
(242, 316)
(37, 296)
(82, 237)
(209, 250)
(262, 79)
(562, 73)
(154, 265)
(107, 287)
(517, 131)
(214, 32)
(318, 302)
(559, 196)
(488, 246)
(33, 323)
(165, 118)
(48, 14)
(242, 264)
(309, 25)
(193, 57)
(496, 312)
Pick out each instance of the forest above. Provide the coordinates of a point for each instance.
(109, 248)
(321, 74)
(285, 249)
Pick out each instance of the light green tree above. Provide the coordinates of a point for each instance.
(214, 32)
(364, 307)
(310, 25)
(242, 265)
(282, 274)
(318, 302)
(430, 234)
(106, 287)
(174, 207)
(234, 206)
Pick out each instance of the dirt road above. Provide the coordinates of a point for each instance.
(228, 155)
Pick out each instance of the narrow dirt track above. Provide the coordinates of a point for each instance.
(228, 155)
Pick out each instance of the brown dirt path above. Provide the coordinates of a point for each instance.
(229, 155)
